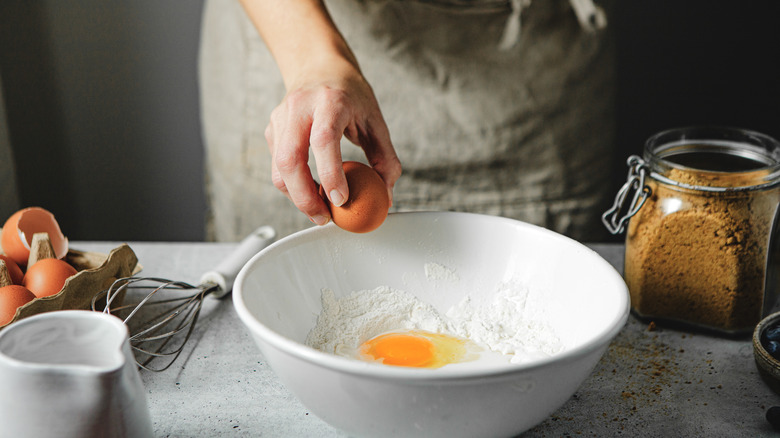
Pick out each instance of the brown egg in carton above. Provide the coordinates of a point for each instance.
(95, 273)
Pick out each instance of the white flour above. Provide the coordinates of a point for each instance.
(436, 271)
(505, 325)
(346, 323)
(501, 325)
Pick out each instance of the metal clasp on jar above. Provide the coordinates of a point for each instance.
(634, 186)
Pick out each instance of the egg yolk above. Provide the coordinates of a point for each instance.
(403, 350)
(416, 348)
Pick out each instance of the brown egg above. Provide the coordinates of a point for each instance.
(47, 276)
(18, 231)
(13, 269)
(368, 203)
(11, 298)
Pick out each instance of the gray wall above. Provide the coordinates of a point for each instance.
(101, 101)
(102, 107)
(9, 196)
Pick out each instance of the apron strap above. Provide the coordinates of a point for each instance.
(590, 16)
(512, 29)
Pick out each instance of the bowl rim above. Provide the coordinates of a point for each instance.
(758, 347)
(412, 375)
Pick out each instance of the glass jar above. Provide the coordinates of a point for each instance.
(701, 208)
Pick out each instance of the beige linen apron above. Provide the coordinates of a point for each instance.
(486, 116)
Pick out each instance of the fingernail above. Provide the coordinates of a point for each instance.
(336, 198)
(319, 220)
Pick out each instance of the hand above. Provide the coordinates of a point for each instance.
(314, 114)
(327, 98)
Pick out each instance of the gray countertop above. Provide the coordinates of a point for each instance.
(650, 383)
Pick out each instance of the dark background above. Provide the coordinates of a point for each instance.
(102, 99)
(697, 62)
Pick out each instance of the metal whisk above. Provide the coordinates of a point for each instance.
(161, 313)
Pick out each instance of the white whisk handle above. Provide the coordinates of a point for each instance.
(225, 273)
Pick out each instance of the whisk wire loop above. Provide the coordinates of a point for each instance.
(162, 334)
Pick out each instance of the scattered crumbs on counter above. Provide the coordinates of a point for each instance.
(643, 374)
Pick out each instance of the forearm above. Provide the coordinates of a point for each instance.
(327, 99)
(302, 38)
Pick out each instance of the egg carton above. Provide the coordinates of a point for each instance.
(96, 272)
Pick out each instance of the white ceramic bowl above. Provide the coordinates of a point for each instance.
(581, 297)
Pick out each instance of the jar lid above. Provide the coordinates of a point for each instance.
(714, 159)
(705, 159)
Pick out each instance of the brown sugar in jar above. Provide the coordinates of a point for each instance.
(697, 244)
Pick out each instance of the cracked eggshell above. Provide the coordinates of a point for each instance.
(18, 231)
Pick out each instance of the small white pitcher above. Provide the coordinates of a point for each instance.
(70, 374)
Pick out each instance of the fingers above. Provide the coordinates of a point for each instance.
(290, 155)
(328, 127)
(385, 161)
(381, 155)
(316, 120)
(276, 178)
